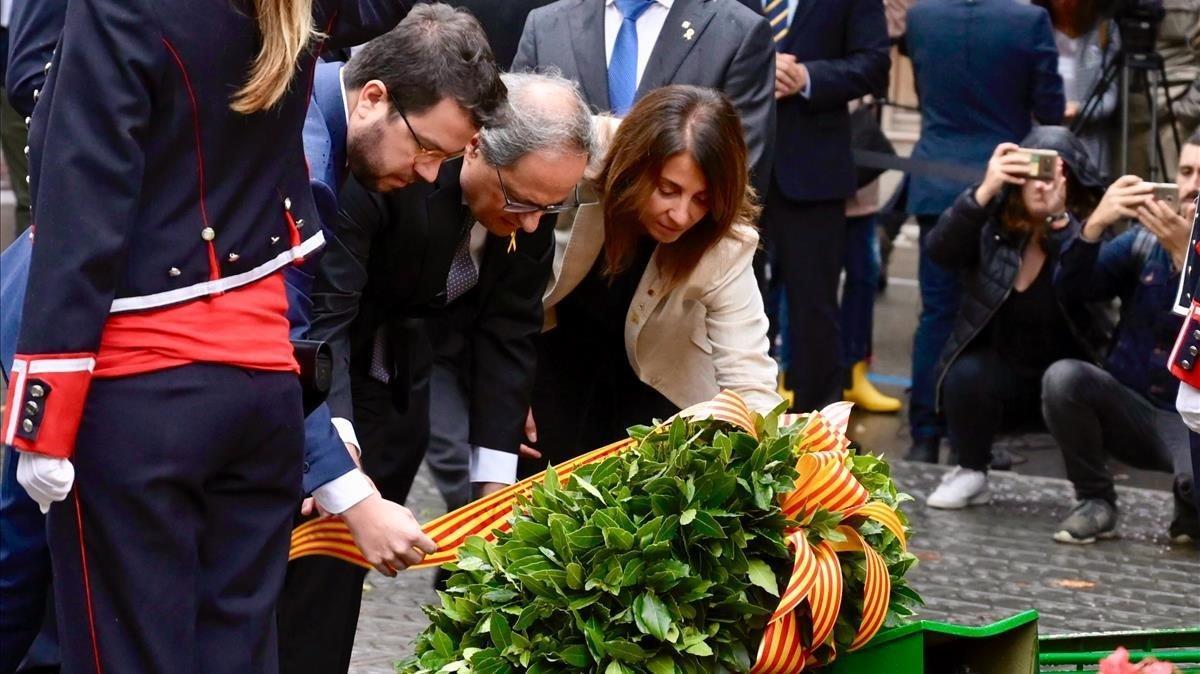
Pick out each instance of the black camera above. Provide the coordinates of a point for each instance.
(1139, 21)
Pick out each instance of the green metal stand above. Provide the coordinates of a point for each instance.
(1006, 647)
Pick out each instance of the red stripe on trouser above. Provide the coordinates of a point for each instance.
(87, 584)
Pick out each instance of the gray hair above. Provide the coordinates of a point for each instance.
(545, 112)
(1194, 139)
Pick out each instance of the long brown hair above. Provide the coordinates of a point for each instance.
(286, 27)
(670, 120)
(1014, 217)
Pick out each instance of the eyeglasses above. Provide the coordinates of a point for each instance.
(431, 155)
(511, 206)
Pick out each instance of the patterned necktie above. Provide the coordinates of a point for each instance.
(381, 366)
(622, 67)
(776, 12)
(463, 272)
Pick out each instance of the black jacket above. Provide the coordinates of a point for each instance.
(387, 266)
(970, 238)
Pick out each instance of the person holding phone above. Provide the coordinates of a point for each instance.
(1004, 236)
(1126, 408)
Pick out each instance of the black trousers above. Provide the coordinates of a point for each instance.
(169, 553)
(1093, 417)
(982, 394)
(586, 396)
(806, 241)
(322, 596)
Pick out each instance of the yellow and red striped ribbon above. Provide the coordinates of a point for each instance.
(824, 481)
(493, 513)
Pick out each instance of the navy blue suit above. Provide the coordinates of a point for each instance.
(122, 151)
(985, 69)
(844, 46)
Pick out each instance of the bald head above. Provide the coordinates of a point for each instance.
(545, 113)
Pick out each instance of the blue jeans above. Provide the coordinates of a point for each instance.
(861, 262)
(941, 293)
(24, 567)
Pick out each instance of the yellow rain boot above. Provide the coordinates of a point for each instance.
(864, 394)
(784, 392)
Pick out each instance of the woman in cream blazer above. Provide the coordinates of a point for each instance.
(658, 309)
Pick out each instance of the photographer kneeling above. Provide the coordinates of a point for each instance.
(1005, 236)
(1127, 409)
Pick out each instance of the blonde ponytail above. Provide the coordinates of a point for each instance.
(286, 27)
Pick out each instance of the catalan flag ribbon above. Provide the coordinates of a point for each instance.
(489, 515)
(815, 586)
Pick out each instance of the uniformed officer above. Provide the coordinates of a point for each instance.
(153, 376)
(1185, 356)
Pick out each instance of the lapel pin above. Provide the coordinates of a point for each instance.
(688, 35)
(512, 242)
(686, 24)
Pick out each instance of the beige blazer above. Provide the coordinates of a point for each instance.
(707, 334)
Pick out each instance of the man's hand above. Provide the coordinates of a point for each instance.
(387, 534)
(1169, 227)
(526, 451)
(1072, 111)
(791, 76)
(1122, 200)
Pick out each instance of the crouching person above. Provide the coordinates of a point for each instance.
(1125, 410)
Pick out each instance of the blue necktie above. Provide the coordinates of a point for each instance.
(776, 12)
(622, 67)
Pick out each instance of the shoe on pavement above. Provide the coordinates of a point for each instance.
(924, 450)
(961, 487)
(1185, 525)
(1089, 520)
(865, 396)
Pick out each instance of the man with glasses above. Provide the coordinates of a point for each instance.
(408, 101)
(443, 250)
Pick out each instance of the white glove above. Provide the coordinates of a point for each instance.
(45, 478)
(1188, 404)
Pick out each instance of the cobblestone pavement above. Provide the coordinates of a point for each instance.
(977, 566)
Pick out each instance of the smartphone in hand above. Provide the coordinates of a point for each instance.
(1167, 193)
(1041, 163)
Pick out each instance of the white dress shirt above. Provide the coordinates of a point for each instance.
(649, 25)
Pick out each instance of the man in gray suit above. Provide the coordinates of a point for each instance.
(618, 50)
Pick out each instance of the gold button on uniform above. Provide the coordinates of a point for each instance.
(37, 391)
(27, 426)
(208, 234)
(31, 407)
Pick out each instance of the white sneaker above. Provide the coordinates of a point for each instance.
(960, 488)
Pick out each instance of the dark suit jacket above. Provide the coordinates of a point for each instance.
(985, 70)
(387, 266)
(731, 50)
(844, 44)
(502, 21)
